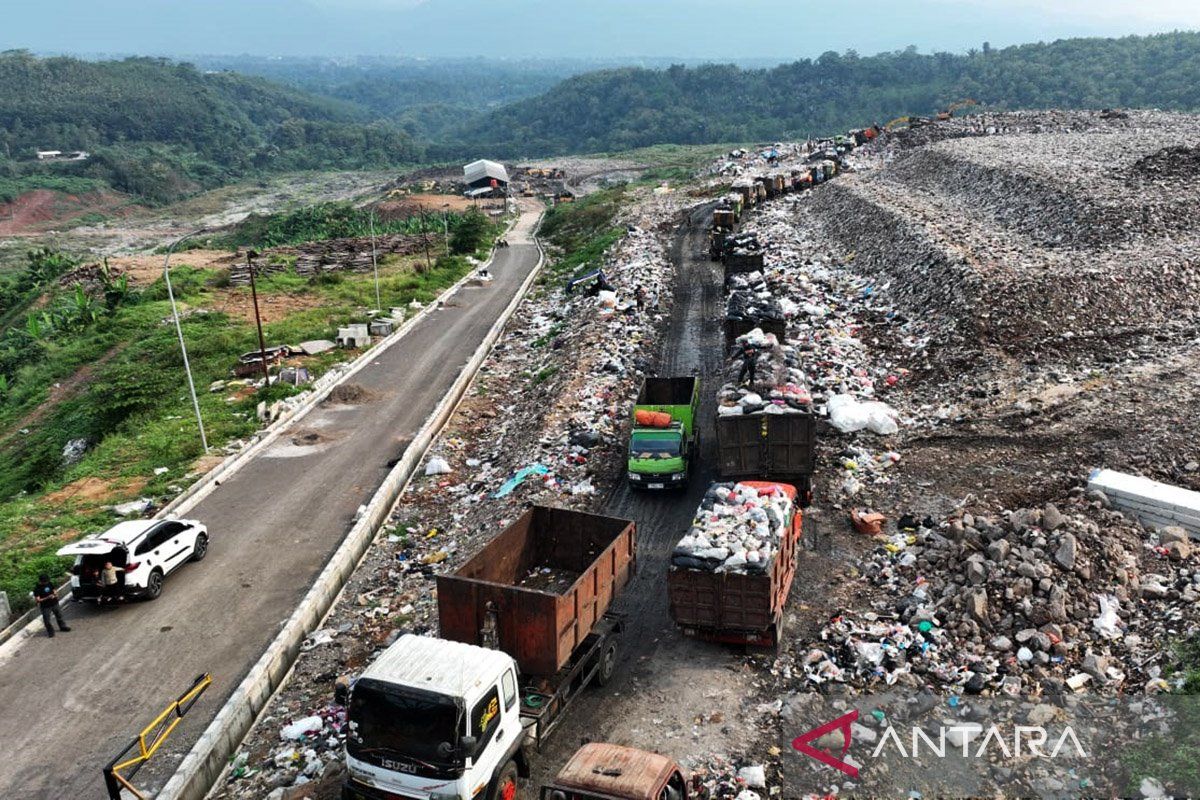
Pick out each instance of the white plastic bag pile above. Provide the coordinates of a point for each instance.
(738, 528)
(848, 414)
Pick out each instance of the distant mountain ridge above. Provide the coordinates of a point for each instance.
(159, 129)
(620, 109)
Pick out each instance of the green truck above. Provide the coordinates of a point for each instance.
(662, 445)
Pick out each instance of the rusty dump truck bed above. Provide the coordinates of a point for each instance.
(780, 447)
(548, 577)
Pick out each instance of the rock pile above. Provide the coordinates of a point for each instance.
(1016, 604)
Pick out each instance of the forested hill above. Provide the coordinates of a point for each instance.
(158, 128)
(625, 108)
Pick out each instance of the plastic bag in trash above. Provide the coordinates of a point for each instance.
(1108, 623)
(847, 414)
(437, 466)
(754, 775)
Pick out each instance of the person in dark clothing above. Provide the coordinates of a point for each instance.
(640, 295)
(47, 600)
(749, 364)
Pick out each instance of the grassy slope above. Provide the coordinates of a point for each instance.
(137, 346)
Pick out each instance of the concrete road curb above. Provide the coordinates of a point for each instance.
(203, 765)
(202, 488)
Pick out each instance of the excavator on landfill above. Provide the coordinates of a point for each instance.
(906, 122)
(949, 112)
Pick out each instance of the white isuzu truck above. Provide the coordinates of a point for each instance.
(525, 627)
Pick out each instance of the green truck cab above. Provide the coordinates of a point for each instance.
(662, 444)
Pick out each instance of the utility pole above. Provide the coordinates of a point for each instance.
(425, 238)
(262, 344)
(375, 264)
(187, 368)
(446, 226)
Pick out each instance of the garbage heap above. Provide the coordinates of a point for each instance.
(738, 528)
(1026, 602)
(544, 422)
(832, 309)
(849, 346)
(775, 388)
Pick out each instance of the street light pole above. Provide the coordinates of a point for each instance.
(179, 330)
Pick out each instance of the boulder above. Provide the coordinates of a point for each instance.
(1052, 518)
(1065, 555)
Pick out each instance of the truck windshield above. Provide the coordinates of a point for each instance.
(402, 729)
(654, 447)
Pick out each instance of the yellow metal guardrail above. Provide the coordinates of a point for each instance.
(149, 740)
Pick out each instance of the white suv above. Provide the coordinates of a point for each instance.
(147, 550)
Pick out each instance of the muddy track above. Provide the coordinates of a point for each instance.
(663, 680)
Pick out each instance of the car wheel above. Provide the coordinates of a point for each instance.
(200, 550)
(154, 585)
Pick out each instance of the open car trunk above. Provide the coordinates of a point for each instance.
(87, 569)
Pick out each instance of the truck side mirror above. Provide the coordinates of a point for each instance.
(467, 745)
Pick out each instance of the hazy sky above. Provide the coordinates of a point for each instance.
(717, 29)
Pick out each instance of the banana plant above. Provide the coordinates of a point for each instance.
(83, 307)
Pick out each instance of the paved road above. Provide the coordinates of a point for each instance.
(68, 704)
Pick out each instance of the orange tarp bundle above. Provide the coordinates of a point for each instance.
(652, 419)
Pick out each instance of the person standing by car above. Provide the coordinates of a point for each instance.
(47, 600)
(110, 583)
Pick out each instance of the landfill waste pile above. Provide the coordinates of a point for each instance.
(738, 528)
(778, 382)
(733, 778)
(544, 422)
(1028, 243)
(912, 281)
(1011, 123)
(1017, 604)
(830, 308)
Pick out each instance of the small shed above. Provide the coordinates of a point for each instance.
(484, 174)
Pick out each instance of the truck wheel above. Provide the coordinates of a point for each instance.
(506, 783)
(608, 663)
